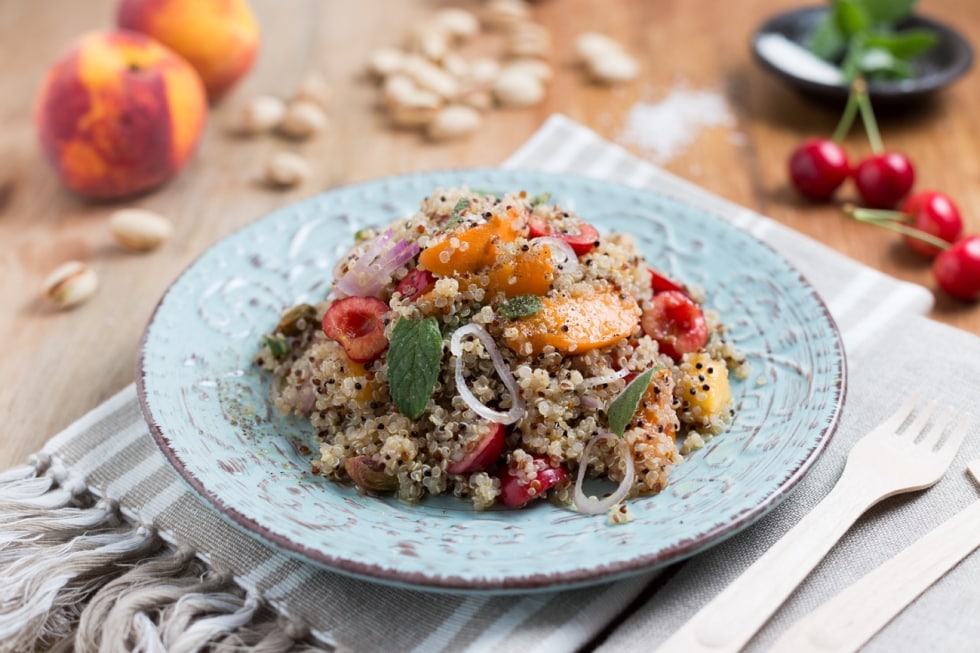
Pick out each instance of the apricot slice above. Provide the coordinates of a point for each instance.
(574, 325)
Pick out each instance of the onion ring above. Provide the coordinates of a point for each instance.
(591, 505)
(567, 259)
(481, 409)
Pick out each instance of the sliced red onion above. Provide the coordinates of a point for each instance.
(373, 269)
(517, 401)
(590, 402)
(593, 381)
(561, 252)
(591, 505)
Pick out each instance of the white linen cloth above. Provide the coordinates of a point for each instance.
(892, 352)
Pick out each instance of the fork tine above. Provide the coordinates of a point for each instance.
(931, 437)
(898, 418)
(953, 442)
(919, 423)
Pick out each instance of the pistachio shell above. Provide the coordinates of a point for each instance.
(70, 284)
(139, 230)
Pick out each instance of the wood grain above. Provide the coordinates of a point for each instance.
(58, 365)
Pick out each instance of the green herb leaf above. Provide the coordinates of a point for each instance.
(277, 345)
(540, 199)
(827, 41)
(623, 407)
(905, 44)
(414, 357)
(851, 17)
(520, 306)
(461, 204)
(363, 234)
(888, 11)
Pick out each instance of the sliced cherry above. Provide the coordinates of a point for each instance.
(416, 283)
(661, 283)
(515, 494)
(884, 179)
(676, 322)
(957, 269)
(483, 453)
(933, 213)
(357, 324)
(818, 167)
(581, 242)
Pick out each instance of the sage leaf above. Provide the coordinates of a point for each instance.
(461, 204)
(414, 359)
(520, 306)
(623, 407)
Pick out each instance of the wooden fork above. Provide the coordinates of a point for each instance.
(847, 621)
(887, 461)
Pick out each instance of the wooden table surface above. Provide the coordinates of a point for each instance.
(57, 365)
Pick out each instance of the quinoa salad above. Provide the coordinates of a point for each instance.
(499, 348)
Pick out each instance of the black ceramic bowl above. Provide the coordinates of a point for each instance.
(946, 61)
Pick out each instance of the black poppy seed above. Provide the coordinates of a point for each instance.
(706, 387)
(700, 377)
(711, 370)
(442, 198)
(699, 365)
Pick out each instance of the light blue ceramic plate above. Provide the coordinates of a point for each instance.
(206, 404)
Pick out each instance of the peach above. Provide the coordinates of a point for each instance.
(119, 114)
(218, 37)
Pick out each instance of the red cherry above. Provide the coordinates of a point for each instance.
(416, 283)
(676, 322)
(661, 283)
(957, 269)
(818, 167)
(514, 493)
(935, 214)
(356, 323)
(482, 454)
(884, 179)
(581, 241)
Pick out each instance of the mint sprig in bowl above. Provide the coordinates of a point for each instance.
(905, 56)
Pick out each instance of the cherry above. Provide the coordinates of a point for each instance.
(661, 283)
(884, 179)
(676, 322)
(957, 269)
(818, 167)
(416, 283)
(514, 493)
(356, 323)
(482, 454)
(933, 213)
(581, 241)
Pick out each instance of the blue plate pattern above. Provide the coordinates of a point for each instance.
(207, 409)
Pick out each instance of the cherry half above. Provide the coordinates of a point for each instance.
(818, 167)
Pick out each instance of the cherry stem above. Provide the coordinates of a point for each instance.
(859, 88)
(846, 118)
(894, 221)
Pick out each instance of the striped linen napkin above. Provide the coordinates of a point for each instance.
(101, 497)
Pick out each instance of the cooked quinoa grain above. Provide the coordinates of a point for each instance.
(543, 320)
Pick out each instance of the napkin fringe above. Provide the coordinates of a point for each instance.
(77, 576)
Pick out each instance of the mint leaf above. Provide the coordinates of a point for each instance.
(827, 41)
(623, 407)
(520, 306)
(905, 44)
(414, 357)
(888, 11)
(277, 345)
(851, 17)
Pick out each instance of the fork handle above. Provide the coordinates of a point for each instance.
(730, 620)
(847, 621)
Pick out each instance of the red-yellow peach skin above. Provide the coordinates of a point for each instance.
(219, 38)
(119, 114)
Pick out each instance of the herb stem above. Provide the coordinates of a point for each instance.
(892, 220)
(847, 117)
(860, 89)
